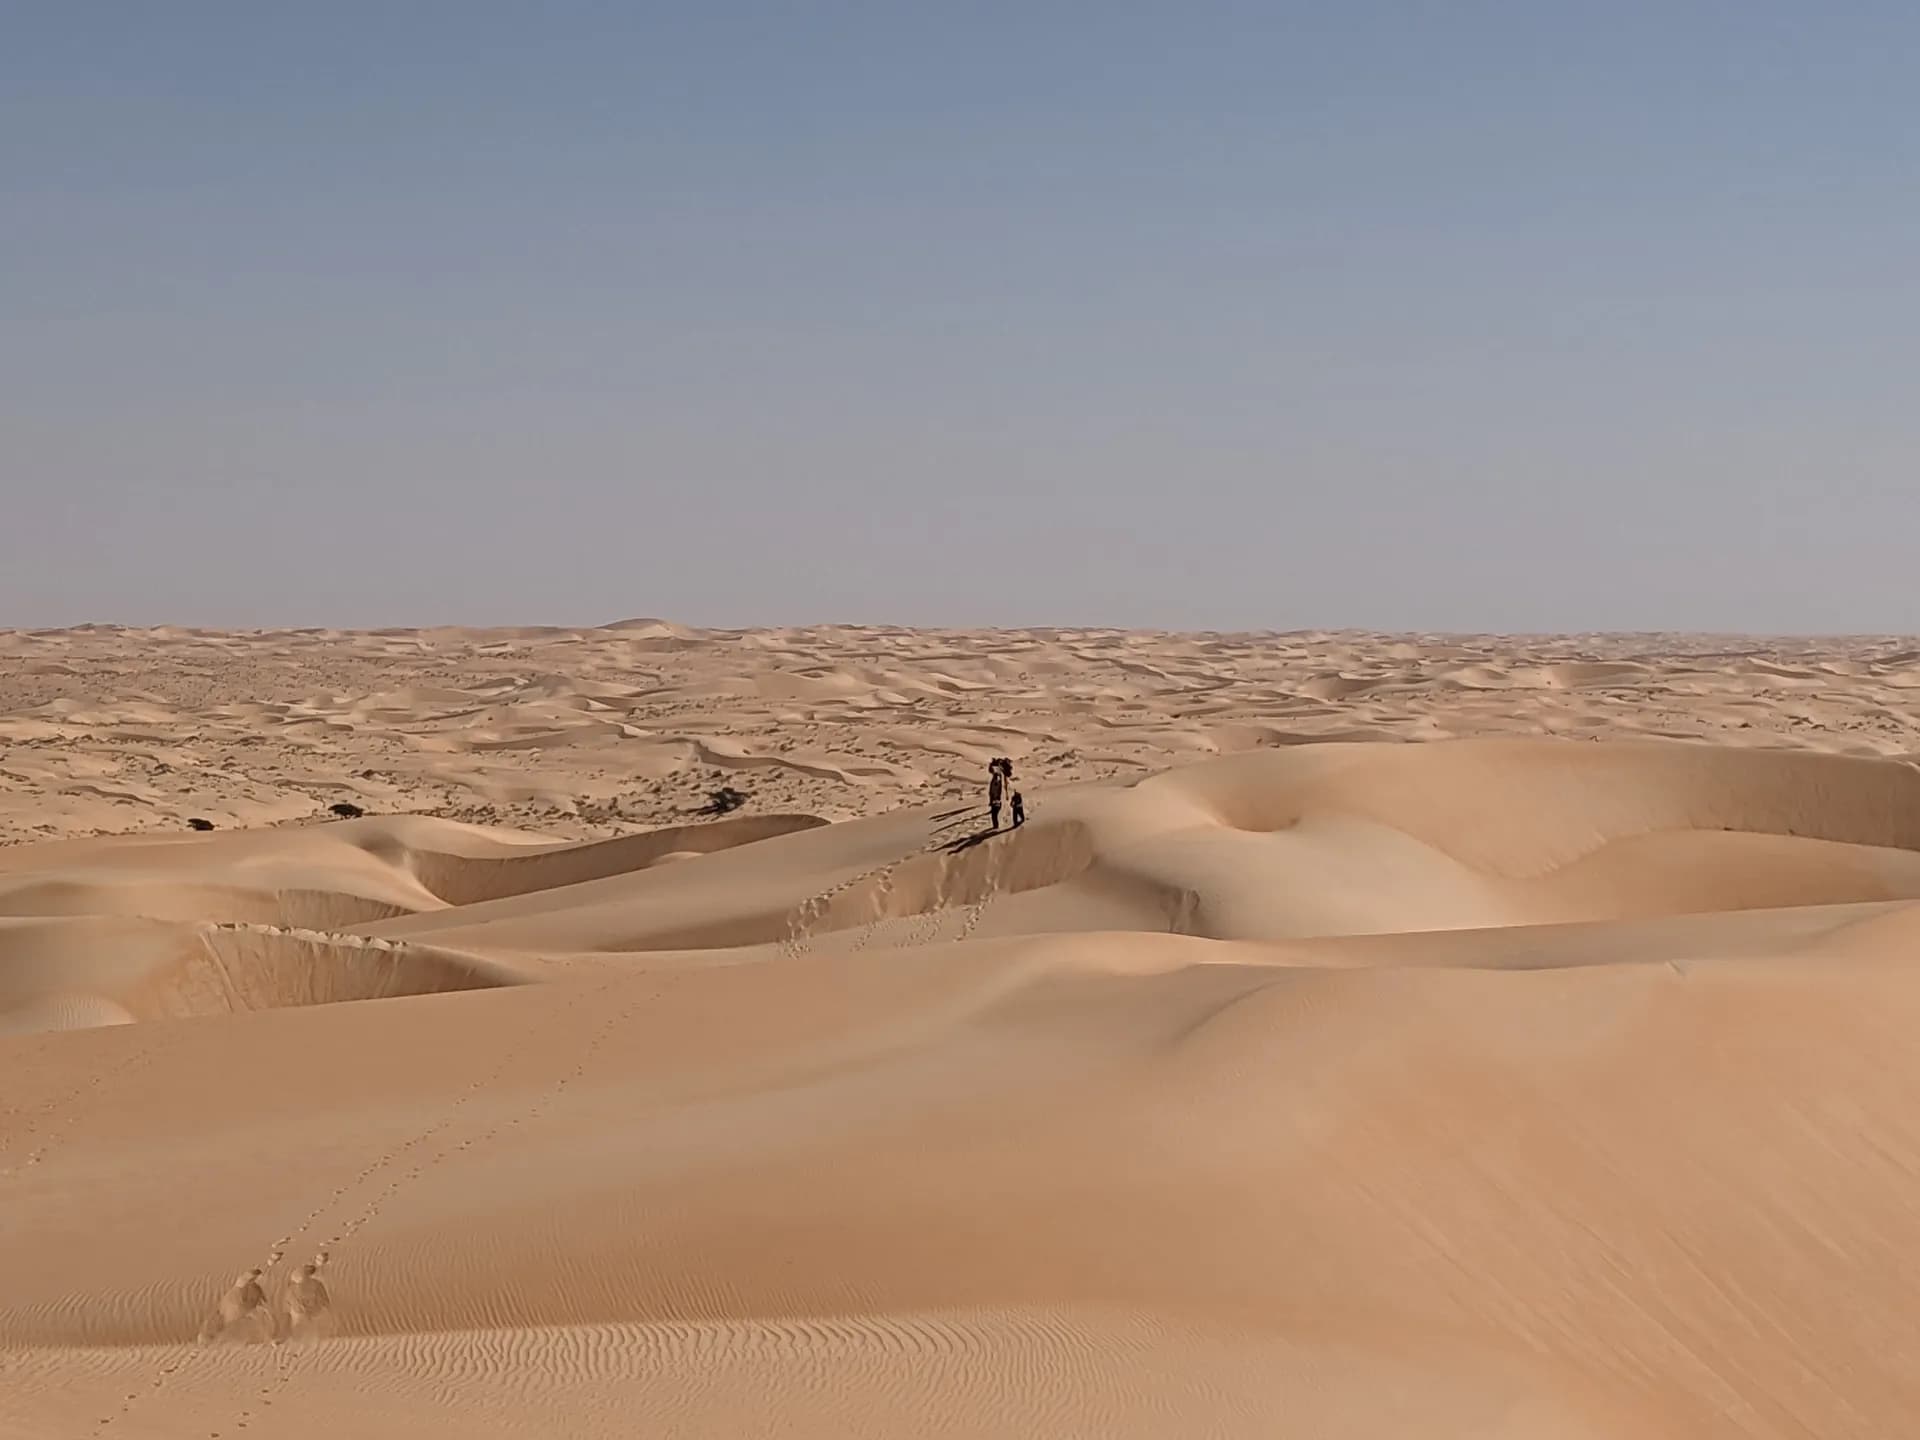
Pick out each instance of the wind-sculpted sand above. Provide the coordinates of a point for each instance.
(1278, 1078)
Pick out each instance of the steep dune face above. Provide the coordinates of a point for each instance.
(1309, 840)
(65, 973)
(458, 879)
(1351, 839)
(1494, 1087)
(1285, 844)
(111, 932)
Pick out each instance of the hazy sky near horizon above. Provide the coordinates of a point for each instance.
(1529, 315)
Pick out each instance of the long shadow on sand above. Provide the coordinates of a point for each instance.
(967, 842)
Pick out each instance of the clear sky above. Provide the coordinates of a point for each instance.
(1454, 315)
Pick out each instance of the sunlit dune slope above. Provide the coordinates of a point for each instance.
(1487, 1088)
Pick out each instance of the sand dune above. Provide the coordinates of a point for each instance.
(59, 973)
(1554, 1082)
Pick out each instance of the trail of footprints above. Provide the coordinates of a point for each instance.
(45, 1125)
(800, 931)
(286, 1361)
(245, 1312)
(927, 924)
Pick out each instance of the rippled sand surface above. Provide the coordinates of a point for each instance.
(1279, 1077)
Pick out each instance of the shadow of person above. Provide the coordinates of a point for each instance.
(967, 842)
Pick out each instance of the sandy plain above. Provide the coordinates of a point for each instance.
(1551, 1077)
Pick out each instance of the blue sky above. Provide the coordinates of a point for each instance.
(1430, 316)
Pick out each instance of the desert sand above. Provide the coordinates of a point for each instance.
(1552, 1076)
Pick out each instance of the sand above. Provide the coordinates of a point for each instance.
(1552, 1078)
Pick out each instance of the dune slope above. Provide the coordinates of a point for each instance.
(1496, 1087)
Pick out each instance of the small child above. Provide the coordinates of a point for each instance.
(1019, 810)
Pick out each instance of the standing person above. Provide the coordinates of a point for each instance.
(995, 786)
(1019, 810)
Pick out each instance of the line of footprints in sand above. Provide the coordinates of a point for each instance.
(44, 1125)
(247, 1314)
(925, 930)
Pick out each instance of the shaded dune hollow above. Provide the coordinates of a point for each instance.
(166, 930)
(1360, 839)
(467, 879)
(60, 973)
